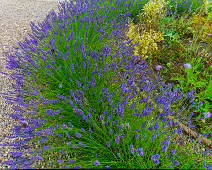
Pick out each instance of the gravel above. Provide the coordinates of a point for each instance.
(15, 17)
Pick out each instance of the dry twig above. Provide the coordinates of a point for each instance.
(206, 141)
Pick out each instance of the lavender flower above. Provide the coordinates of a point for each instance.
(101, 118)
(157, 126)
(108, 144)
(78, 135)
(173, 152)
(117, 139)
(137, 136)
(140, 151)
(85, 118)
(72, 161)
(165, 144)
(77, 167)
(179, 131)
(60, 161)
(82, 129)
(176, 163)
(46, 148)
(207, 115)
(90, 115)
(155, 158)
(154, 137)
(132, 150)
(97, 163)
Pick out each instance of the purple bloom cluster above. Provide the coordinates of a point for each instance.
(165, 144)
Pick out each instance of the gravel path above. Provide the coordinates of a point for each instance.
(15, 16)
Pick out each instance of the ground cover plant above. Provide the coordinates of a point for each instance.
(86, 97)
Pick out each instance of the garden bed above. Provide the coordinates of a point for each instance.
(113, 84)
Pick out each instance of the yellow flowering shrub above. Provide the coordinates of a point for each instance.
(147, 34)
(146, 40)
(153, 11)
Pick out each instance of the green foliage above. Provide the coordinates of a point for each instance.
(182, 7)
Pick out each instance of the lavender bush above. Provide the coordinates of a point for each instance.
(83, 104)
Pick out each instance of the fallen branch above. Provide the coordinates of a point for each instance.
(206, 141)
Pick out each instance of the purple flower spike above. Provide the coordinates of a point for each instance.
(108, 144)
(78, 135)
(187, 66)
(46, 148)
(158, 67)
(155, 158)
(132, 149)
(97, 163)
(140, 151)
(208, 115)
(165, 145)
(72, 161)
(117, 139)
(173, 152)
(60, 161)
(176, 163)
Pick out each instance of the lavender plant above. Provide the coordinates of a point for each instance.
(82, 104)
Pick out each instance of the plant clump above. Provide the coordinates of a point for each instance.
(153, 12)
(146, 41)
(146, 35)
